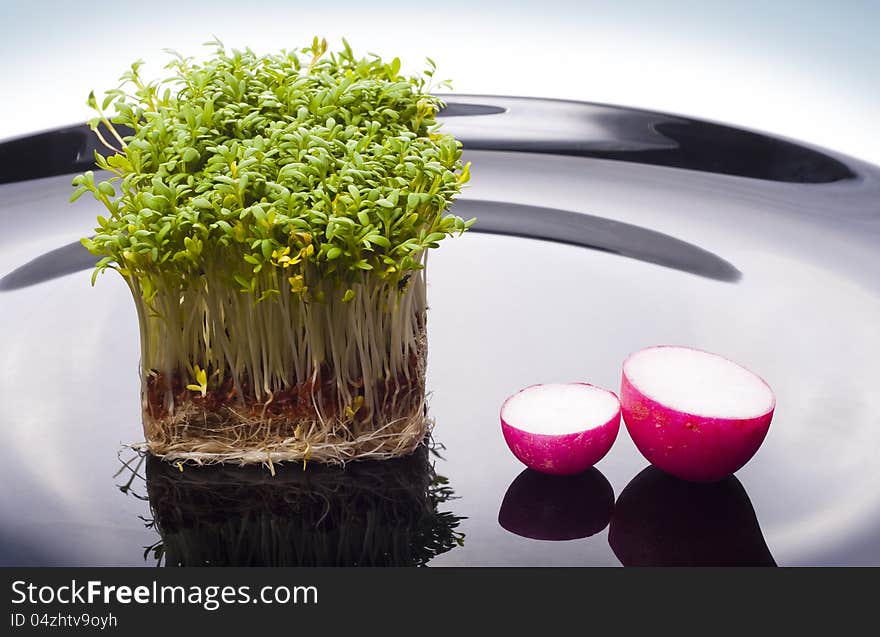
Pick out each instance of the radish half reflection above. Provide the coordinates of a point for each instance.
(560, 429)
(539, 506)
(695, 415)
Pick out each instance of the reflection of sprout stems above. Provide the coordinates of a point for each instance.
(137, 461)
(366, 514)
(272, 216)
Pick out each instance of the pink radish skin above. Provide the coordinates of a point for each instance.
(689, 446)
(561, 454)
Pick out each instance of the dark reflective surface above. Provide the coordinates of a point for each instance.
(545, 507)
(53, 152)
(366, 514)
(505, 312)
(67, 259)
(495, 217)
(610, 132)
(660, 520)
(558, 127)
(461, 109)
(597, 233)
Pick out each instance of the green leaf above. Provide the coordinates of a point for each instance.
(243, 282)
(78, 193)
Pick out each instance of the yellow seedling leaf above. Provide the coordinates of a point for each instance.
(297, 284)
(465, 174)
(201, 379)
(358, 403)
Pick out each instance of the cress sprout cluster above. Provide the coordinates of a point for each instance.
(271, 215)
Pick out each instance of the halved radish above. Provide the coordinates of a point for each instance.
(561, 429)
(696, 415)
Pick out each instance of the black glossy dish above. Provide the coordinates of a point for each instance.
(655, 229)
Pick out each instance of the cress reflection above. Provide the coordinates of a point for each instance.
(370, 513)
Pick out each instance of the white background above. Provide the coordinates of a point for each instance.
(804, 69)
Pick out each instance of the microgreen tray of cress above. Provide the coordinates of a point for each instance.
(272, 215)
(275, 161)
